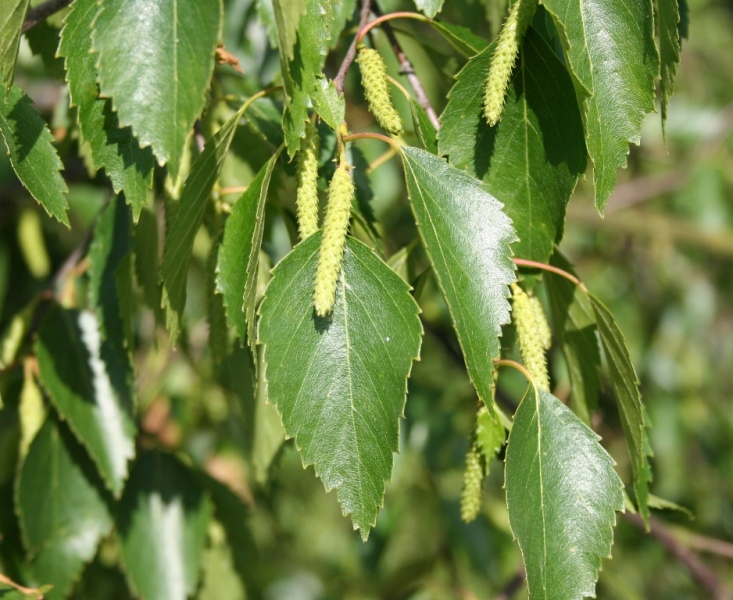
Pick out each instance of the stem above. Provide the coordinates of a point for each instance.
(381, 159)
(257, 96)
(405, 64)
(42, 12)
(699, 571)
(374, 136)
(366, 10)
(531, 264)
(503, 362)
(388, 17)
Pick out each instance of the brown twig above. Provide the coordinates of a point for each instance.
(512, 586)
(42, 12)
(366, 10)
(409, 72)
(699, 571)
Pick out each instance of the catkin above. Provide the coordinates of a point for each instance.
(543, 327)
(533, 336)
(335, 227)
(473, 477)
(376, 89)
(502, 61)
(306, 201)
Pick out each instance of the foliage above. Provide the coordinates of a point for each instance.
(166, 380)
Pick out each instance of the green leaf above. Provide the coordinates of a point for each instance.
(264, 116)
(237, 265)
(288, 14)
(62, 509)
(11, 27)
(269, 433)
(155, 62)
(575, 329)
(32, 154)
(466, 236)
(112, 242)
(339, 383)
(462, 39)
(562, 494)
(625, 386)
(429, 7)
(612, 54)
(670, 42)
(115, 149)
(330, 106)
(424, 130)
(216, 313)
(189, 216)
(161, 525)
(89, 387)
(302, 70)
(532, 159)
(146, 259)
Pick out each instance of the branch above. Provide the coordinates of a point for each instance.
(513, 585)
(407, 69)
(42, 12)
(366, 10)
(699, 571)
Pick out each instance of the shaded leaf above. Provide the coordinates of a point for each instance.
(330, 106)
(466, 236)
(532, 159)
(461, 38)
(339, 383)
(625, 386)
(562, 494)
(424, 130)
(670, 41)
(238, 258)
(288, 14)
(189, 215)
(301, 71)
(34, 159)
(161, 526)
(155, 61)
(115, 149)
(146, 260)
(575, 327)
(612, 54)
(11, 26)
(62, 509)
(88, 386)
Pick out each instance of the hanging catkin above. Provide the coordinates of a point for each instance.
(376, 89)
(502, 61)
(306, 201)
(533, 334)
(473, 477)
(335, 227)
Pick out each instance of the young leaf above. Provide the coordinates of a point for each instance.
(189, 215)
(300, 72)
(631, 409)
(329, 105)
(11, 26)
(575, 328)
(62, 509)
(129, 167)
(562, 494)
(155, 62)
(532, 159)
(429, 7)
(32, 154)
(239, 251)
(340, 382)
(612, 54)
(670, 41)
(466, 236)
(89, 387)
(161, 525)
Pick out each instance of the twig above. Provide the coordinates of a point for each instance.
(366, 10)
(42, 12)
(699, 571)
(512, 586)
(407, 69)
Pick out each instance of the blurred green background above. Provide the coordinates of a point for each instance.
(661, 259)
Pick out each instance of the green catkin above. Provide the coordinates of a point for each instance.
(502, 61)
(306, 201)
(473, 477)
(376, 89)
(335, 227)
(532, 336)
(543, 327)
